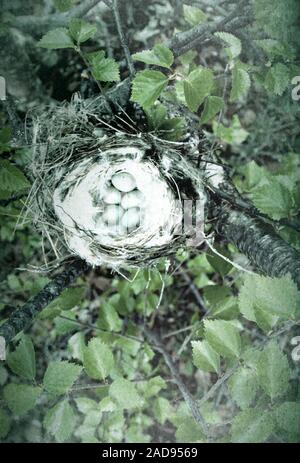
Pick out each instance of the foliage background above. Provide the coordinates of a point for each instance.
(194, 350)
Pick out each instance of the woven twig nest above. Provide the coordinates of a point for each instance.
(111, 197)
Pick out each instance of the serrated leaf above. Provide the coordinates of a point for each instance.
(205, 357)
(3, 375)
(22, 360)
(273, 198)
(223, 336)
(56, 39)
(60, 376)
(235, 45)
(60, 421)
(11, 178)
(20, 398)
(98, 359)
(162, 409)
(81, 30)
(125, 394)
(105, 69)
(68, 299)
(85, 405)
(221, 302)
(5, 137)
(252, 426)
(197, 86)
(243, 386)
(273, 370)
(5, 423)
(288, 417)
(151, 387)
(168, 128)
(212, 106)
(64, 5)
(76, 346)
(147, 86)
(217, 262)
(233, 135)
(189, 432)
(276, 296)
(108, 318)
(159, 56)
(277, 79)
(193, 15)
(240, 83)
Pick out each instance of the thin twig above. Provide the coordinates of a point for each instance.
(191, 403)
(114, 5)
(217, 384)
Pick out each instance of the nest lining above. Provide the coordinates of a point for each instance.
(76, 154)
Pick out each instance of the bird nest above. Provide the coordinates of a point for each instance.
(112, 196)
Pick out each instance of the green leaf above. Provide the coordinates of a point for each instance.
(68, 299)
(147, 86)
(108, 318)
(20, 398)
(212, 106)
(243, 386)
(235, 45)
(233, 135)
(273, 370)
(273, 198)
(168, 128)
(60, 421)
(3, 375)
(11, 178)
(278, 79)
(288, 417)
(193, 15)
(217, 262)
(220, 302)
(240, 83)
(5, 423)
(188, 431)
(81, 30)
(205, 357)
(76, 346)
(56, 39)
(22, 360)
(223, 336)
(125, 394)
(98, 359)
(65, 323)
(64, 5)
(5, 137)
(197, 86)
(159, 56)
(252, 426)
(60, 376)
(162, 409)
(105, 69)
(86, 405)
(277, 296)
(152, 387)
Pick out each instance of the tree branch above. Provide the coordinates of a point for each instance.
(185, 41)
(22, 317)
(258, 241)
(30, 23)
(191, 403)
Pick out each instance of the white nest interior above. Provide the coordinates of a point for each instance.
(92, 211)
